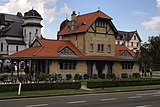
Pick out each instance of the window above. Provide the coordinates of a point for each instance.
(131, 43)
(91, 47)
(67, 65)
(60, 37)
(118, 42)
(137, 44)
(109, 48)
(124, 43)
(25, 32)
(66, 51)
(1, 46)
(100, 47)
(127, 65)
(17, 48)
(134, 37)
(7, 48)
(101, 23)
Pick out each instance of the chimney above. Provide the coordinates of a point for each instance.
(73, 25)
(73, 16)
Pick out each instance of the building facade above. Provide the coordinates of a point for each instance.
(17, 32)
(85, 45)
(131, 40)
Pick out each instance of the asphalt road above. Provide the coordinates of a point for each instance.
(149, 98)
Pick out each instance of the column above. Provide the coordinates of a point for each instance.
(94, 69)
(105, 70)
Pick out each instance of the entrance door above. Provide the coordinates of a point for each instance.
(100, 65)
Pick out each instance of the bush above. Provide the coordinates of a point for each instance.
(39, 86)
(123, 82)
(94, 76)
(68, 76)
(43, 77)
(103, 76)
(136, 75)
(77, 77)
(124, 75)
(110, 76)
(85, 76)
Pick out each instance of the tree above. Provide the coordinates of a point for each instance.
(149, 53)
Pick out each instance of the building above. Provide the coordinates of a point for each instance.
(17, 32)
(85, 45)
(131, 40)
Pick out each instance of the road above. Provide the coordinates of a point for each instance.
(149, 98)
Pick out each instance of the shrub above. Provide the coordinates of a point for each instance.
(39, 86)
(123, 82)
(68, 76)
(136, 75)
(43, 77)
(111, 76)
(85, 76)
(94, 76)
(103, 76)
(124, 75)
(77, 77)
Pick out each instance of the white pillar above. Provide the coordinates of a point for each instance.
(94, 69)
(105, 70)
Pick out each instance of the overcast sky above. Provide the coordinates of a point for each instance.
(128, 15)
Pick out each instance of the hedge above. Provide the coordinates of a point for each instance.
(39, 86)
(123, 82)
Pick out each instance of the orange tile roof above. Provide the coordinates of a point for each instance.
(50, 48)
(88, 19)
(121, 48)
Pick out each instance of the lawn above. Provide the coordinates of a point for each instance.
(73, 91)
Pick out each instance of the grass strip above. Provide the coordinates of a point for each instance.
(73, 91)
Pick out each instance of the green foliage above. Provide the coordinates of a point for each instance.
(77, 77)
(85, 76)
(39, 86)
(136, 75)
(43, 76)
(121, 83)
(94, 76)
(68, 76)
(124, 75)
(149, 54)
(110, 76)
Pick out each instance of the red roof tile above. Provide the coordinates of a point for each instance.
(121, 48)
(88, 19)
(50, 48)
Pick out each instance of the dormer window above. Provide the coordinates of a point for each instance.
(83, 23)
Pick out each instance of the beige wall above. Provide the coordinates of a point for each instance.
(80, 68)
(117, 68)
(96, 39)
(76, 39)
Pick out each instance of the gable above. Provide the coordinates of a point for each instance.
(126, 55)
(102, 26)
(66, 51)
(136, 37)
(36, 43)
